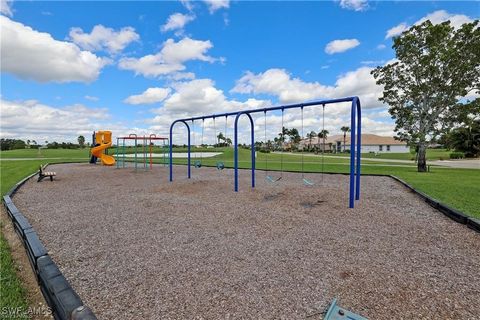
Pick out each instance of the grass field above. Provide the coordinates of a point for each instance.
(458, 188)
(12, 293)
(432, 154)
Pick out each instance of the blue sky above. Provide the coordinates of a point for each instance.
(72, 67)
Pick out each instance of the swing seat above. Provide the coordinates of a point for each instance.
(220, 165)
(198, 164)
(307, 182)
(272, 180)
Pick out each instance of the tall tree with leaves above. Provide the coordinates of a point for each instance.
(437, 66)
(81, 141)
(220, 137)
(323, 135)
(345, 130)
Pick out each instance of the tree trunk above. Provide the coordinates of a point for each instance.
(422, 159)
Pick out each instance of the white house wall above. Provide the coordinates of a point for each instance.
(375, 148)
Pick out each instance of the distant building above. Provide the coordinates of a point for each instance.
(370, 143)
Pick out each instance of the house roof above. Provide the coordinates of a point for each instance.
(367, 139)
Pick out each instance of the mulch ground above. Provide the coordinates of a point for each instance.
(135, 246)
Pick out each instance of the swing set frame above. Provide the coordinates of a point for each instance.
(355, 139)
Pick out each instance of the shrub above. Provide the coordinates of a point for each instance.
(457, 155)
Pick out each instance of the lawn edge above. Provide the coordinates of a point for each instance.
(58, 293)
(450, 212)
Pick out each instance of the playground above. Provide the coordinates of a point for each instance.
(135, 246)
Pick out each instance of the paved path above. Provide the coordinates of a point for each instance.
(340, 157)
(466, 164)
(175, 155)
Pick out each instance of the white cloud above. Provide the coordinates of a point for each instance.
(436, 17)
(357, 5)
(381, 47)
(201, 97)
(397, 30)
(5, 8)
(439, 16)
(102, 38)
(188, 4)
(170, 59)
(377, 127)
(337, 46)
(195, 98)
(177, 21)
(31, 119)
(279, 83)
(214, 5)
(91, 98)
(149, 96)
(30, 54)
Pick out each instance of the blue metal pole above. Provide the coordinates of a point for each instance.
(253, 148)
(235, 152)
(188, 148)
(352, 155)
(171, 148)
(291, 106)
(359, 146)
(170, 164)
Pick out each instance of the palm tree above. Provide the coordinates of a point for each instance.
(345, 129)
(323, 135)
(310, 136)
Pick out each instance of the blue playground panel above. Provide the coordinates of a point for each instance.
(337, 313)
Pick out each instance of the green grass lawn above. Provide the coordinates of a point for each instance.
(46, 153)
(12, 293)
(432, 154)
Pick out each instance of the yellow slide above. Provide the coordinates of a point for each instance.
(104, 141)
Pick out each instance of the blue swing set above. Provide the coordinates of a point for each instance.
(355, 138)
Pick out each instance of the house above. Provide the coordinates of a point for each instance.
(370, 143)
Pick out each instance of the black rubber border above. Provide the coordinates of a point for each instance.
(452, 213)
(60, 296)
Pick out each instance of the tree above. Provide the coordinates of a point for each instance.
(11, 144)
(466, 139)
(436, 68)
(345, 129)
(323, 135)
(81, 141)
(220, 137)
(294, 135)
